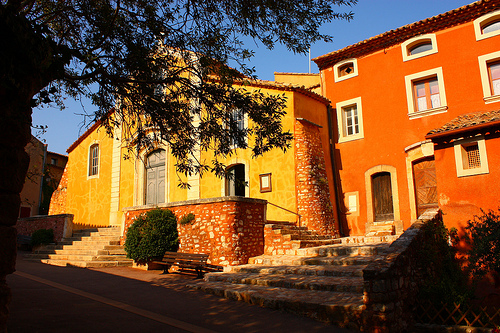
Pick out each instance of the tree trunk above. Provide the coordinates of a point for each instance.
(27, 65)
(15, 120)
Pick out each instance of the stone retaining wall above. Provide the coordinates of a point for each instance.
(391, 285)
(229, 229)
(62, 225)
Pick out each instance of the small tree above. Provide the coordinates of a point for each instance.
(151, 235)
(483, 234)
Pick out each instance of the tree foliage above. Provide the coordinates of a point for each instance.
(163, 66)
(483, 234)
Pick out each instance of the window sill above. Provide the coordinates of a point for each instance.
(472, 172)
(492, 99)
(350, 138)
(429, 112)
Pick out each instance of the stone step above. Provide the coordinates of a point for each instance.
(350, 284)
(342, 260)
(342, 249)
(368, 240)
(88, 264)
(319, 270)
(338, 308)
(306, 237)
(93, 243)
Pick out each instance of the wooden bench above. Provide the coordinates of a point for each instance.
(193, 261)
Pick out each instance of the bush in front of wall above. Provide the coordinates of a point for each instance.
(187, 219)
(151, 235)
(42, 237)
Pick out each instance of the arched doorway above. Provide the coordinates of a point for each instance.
(155, 177)
(235, 181)
(383, 207)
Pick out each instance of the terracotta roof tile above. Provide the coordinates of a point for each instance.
(467, 122)
(393, 37)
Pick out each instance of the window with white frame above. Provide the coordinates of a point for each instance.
(345, 69)
(350, 120)
(470, 157)
(237, 124)
(489, 69)
(419, 46)
(94, 160)
(425, 93)
(487, 25)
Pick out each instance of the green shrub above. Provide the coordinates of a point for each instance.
(42, 237)
(483, 234)
(443, 279)
(151, 235)
(187, 219)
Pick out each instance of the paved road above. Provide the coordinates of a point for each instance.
(67, 299)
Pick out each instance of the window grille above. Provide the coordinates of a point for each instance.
(473, 156)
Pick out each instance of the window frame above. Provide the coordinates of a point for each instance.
(459, 149)
(340, 108)
(411, 80)
(92, 158)
(337, 66)
(483, 21)
(415, 41)
(484, 62)
(232, 144)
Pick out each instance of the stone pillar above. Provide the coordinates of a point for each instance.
(313, 193)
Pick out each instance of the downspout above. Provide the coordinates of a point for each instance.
(334, 170)
(42, 179)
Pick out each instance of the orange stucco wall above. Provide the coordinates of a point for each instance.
(462, 197)
(388, 130)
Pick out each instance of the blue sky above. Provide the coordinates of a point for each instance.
(371, 17)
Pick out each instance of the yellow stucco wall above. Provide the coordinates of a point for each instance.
(88, 197)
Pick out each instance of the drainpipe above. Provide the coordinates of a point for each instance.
(334, 170)
(42, 179)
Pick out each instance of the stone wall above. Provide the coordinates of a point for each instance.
(229, 229)
(391, 285)
(58, 200)
(313, 193)
(61, 224)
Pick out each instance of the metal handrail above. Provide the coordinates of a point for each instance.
(286, 210)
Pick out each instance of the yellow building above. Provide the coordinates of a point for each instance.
(101, 184)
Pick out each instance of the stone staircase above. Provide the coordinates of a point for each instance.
(324, 282)
(86, 248)
(283, 237)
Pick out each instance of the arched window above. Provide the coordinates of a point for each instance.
(487, 25)
(421, 47)
(235, 181)
(345, 69)
(155, 177)
(94, 160)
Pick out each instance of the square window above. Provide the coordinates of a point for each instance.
(470, 157)
(350, 120)
(425, 93)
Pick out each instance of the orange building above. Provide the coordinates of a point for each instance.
(404, 142)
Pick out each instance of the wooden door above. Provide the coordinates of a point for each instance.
(383, 209)
(424, 175)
